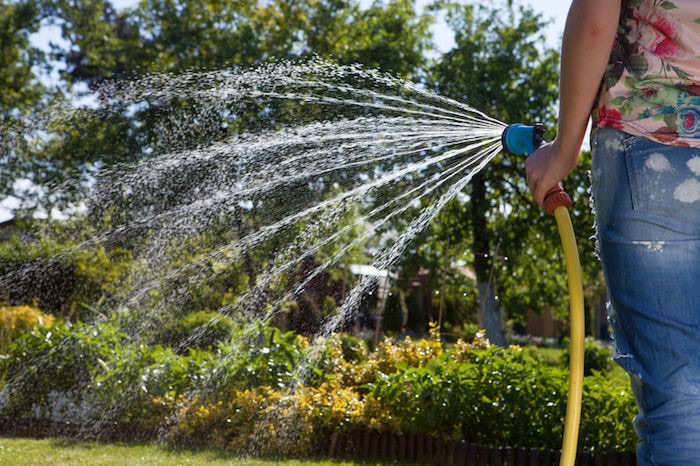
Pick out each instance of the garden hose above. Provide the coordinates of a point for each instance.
(560, 209)
(520, 140)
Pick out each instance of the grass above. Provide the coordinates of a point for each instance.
(63, 452)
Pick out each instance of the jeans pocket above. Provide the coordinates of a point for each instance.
(663, 179)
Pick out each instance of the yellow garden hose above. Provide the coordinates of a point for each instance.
(558, 205)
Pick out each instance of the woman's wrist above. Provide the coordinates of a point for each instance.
(567, 151)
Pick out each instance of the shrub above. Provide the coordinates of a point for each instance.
(273, 393)
(227, 424)
(596, 357)
(606, 415)
(254, 357)
(494, 397)
(83, 373)
(127, 382)
(268, 422)
(472, 391)
(391, 355)
(196, 330)
(58, 275)
(343, 358)
(15, 321)
(50, 370)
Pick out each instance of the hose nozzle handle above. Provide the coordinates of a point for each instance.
(556, 197)
(519, 139)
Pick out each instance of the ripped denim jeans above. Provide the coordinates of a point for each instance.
(647, 206)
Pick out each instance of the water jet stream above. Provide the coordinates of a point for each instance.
(365, 164)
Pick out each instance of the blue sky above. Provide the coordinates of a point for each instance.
(554, 10)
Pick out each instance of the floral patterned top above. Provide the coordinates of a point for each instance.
(652, 84)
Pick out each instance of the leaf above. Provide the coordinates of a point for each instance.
(637, 64)
(681, 73)
(668, 5)
(103, 364)
(617, 101)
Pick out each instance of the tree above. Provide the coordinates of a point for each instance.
(500, 65)
(20, 90)
(158, 37)
(101, 44)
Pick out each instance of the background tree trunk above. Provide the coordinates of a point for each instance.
(489, 311)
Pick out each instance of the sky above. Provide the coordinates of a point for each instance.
(554, 10)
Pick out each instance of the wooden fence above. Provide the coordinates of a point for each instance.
(425, 449)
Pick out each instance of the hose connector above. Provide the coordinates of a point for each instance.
(519, 139)
(556, 197)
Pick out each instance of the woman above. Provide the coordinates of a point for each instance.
(634, 64)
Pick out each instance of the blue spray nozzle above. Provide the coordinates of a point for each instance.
(519, 139)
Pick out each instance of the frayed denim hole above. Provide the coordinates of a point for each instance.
(595, 236)
(619, 354)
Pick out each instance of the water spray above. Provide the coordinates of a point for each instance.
(520, 139)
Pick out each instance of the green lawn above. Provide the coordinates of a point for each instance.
(60, 452)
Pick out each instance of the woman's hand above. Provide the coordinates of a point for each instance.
(547, 166)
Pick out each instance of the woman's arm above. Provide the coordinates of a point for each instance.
(590, 30)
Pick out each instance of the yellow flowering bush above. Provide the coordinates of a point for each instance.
(462, 351)
(15, 321)
(295, 422)
(255, 421)
(391, 355)
(160, 411)
(330, 406)
(347, 371)
(266, 422)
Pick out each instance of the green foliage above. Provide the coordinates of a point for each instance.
(494, 397)
(129, 382)
(56, 273)
(15, 321)
(606, 413)
(597, 358)
(84, 373)
(50, 372)
(201, 330)
(21, 94)
(17, 23)
(256, 356)
(271, 391)
(471, 391)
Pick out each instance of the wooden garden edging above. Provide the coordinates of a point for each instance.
(430, 450)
